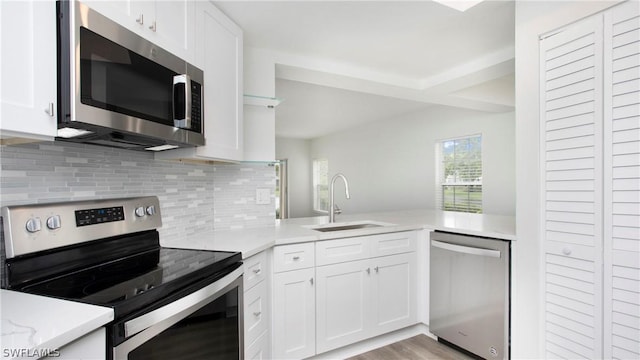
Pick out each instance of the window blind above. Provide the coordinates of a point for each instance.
(321, 185)
(459, 177)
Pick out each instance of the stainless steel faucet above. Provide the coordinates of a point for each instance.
(332, 211)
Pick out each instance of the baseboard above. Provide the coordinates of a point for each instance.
(374, 343)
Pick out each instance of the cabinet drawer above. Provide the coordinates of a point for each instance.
(255, 312)
(259, 350)
(292, 257)
(255, 269)
(341, 250)
(393, 243)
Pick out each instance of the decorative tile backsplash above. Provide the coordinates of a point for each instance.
(193, 198)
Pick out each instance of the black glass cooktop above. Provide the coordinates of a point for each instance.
(129, 283)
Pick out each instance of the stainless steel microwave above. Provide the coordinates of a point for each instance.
(117, 89)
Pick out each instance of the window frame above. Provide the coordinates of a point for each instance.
(320, 185)
(467, 184)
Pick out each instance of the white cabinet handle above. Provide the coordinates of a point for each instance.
(311, 281)
(566, 251)
(376, 269)
(257, 271)
(50, 110)
(295, 258)
(153, 26)
(368, 270)
(257, 313)
(140, 19)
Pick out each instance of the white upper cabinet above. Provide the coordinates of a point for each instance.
(219, 54)
(219, 49)
(28, 101)
(169, 24)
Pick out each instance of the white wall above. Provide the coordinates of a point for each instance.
(297, 152)
(390, 164)
(533, 18)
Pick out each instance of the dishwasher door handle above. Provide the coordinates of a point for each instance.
(465, 249)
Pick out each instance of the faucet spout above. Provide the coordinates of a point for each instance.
(332, 212)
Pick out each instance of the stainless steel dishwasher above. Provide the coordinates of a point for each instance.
(469, 293)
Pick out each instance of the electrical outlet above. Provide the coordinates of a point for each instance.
(263, 196)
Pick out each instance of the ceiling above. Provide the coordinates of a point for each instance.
(343, 63)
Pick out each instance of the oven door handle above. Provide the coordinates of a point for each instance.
(185, 305)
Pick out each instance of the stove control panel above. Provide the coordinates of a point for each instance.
(99, 216)
(37, 227)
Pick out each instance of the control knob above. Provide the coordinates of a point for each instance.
(151, 210)
(140, 211)
(53, 222)
(33, 225)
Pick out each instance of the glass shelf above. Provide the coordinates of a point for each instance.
(270, 102)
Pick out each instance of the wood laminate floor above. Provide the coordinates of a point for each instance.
(415, 348)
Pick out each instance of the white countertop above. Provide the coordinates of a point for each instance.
(290, 231)
(33, 324)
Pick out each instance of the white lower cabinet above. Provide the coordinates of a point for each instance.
(294, 307)
(394, 292)
(344, 293)
(360, 299)
(255, 312)
(91, 346)
(257, 307)
(259, 350)
(362, 287)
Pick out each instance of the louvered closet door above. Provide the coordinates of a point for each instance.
(622, 182)
(571, 145)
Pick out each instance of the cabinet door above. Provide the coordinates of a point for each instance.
(622, 182)
(28, 69)
(169, 24)
(294, 309)
(133, 15)
(259, 350)
(175, 26)
(571, 145)
(343, 304)
(219, 52)
(393, 292)
(91, 346)
(256, 313)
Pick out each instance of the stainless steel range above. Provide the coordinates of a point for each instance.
(168, 303)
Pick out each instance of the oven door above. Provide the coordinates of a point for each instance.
(206, 324)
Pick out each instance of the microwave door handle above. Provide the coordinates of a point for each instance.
(182, 101)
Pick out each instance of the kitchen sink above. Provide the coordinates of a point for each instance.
(346, 226)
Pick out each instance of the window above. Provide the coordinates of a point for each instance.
(459, 174)
(321, 185)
